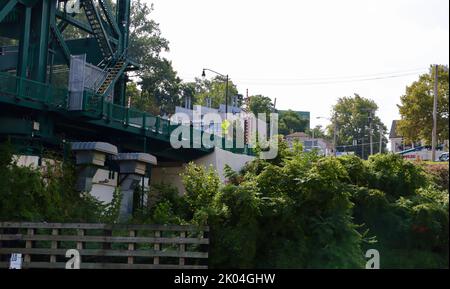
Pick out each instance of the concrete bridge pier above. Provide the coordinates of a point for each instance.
(132, 170)
(90, 159)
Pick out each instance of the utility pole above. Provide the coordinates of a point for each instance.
(381, 138)
(370, 133)
(335, 136)
(435, 101)
(226, 99)
(362, 147)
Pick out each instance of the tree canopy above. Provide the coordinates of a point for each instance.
(352, 117)
(318, 132)
(290, 122)
(215, 90)
(416, 108)
(260, 104)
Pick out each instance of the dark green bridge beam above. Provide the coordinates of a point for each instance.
(109, 17)
(41, 21)
(24, 44)
(8, 7)
(61, 43)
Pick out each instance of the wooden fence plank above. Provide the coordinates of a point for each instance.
(100, 239)
(109, 253)
(28, 245)
(54, 245)
(87, 226)
(128, 235)
(156, 247)
(79, 239)
(131, 247)
(182, 249)
(61, 265)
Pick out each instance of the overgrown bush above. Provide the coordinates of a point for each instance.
(297, 211)
(32, 194)
(395, 176)
(439, 175)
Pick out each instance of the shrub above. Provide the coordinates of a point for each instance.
(439, 175)
(395, 176)
(356, 169)
(29, 194)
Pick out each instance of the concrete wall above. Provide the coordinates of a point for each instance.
(218, 159)
(103, 186)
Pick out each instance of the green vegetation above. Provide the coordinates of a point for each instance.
(290, 122)
(416, 108)
(299, 210)
(47, 193)
(352, 117)
(306, 211)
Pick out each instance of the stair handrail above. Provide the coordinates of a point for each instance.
(122, 56)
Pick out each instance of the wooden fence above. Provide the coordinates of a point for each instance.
(101, 246)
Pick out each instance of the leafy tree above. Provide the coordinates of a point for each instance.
(317, 132)
(260, 104)
(146, 41)
(214, 89)
(163, 87)
(290, 121)
(416, 108)
(352, 116)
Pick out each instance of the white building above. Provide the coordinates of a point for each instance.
(396, 139)
(309, 144)
(210, 119)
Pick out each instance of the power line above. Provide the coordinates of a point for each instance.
(415, 70)
(330, 80)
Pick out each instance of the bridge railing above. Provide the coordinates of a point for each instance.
(96, 106)
(33, 90)
(101, 246)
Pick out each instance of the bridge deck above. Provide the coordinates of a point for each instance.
(98, 114)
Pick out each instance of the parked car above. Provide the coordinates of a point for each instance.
(444, 157)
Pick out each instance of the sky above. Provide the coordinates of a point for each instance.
(307, 54)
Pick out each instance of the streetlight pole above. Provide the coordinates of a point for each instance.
(226, 86)
(226, 98)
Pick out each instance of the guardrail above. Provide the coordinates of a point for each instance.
(102, 246)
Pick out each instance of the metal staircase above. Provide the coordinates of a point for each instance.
(98, 29)
(109, 15)
(111, 74)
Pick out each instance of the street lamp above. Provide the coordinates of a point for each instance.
(226, 86)
(334, 132)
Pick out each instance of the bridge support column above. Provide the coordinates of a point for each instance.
(132, 170)
(90, 157)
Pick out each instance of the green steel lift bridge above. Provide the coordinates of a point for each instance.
(36, 98)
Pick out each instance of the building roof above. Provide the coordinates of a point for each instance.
(393, 133)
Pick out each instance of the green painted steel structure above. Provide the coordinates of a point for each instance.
(33, 103)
